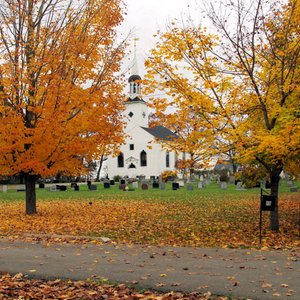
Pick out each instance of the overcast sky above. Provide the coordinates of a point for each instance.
(145, 17)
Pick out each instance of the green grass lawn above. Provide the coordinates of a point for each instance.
(206, 217)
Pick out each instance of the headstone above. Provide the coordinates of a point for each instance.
(155, 185)
(106, 185)
(162, 186)
(289, 183)
(41, 185)
(175, 186)
(135, 185)
(122, 187)
(53, 188)
(76, 188)
(294, 189)
(152, 178)
(112, 182)
(231, 179)
(190, 187)
(62, 187)
(144, 186)
(89, 183)
(223, 185)
(239, 185)
(4, 188)
(193, 178)
(181, 183)
(93, 187)
(122, 181)
(200, 185)
(201, 178)
(21, 188)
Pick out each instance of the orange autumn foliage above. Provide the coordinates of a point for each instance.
(60, 96)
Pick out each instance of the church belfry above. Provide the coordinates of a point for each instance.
(135, 79)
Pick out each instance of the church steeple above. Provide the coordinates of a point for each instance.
(135, 79)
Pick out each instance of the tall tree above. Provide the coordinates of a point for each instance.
(244, 82)
(59, 91)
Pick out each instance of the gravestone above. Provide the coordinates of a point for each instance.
(200, 185)
(135, 185)
(289, 183)
(41, 185)
(223, 185)
(294, 189)
(144, 186)
(175, 186)
(4, 188)
(53, 188)
(162, 186)
(190, 187)
(112, 182)
(201, 178)
(155, 185)
(231, 179)
(106, 185)
(76, 188)
(239, 185)
(181, 183)
(62, 187)
(21, 188)
(122, 181)
(93, 187)
(122, 187)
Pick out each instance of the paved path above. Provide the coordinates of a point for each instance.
(251, 274)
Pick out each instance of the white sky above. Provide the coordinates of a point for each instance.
(145, 17)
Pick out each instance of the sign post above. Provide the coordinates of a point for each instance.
(267, 203)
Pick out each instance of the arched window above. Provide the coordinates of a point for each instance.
(143, 159)
(167, 159)
(121, 160)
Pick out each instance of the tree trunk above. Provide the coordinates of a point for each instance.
(30, 181)
(274, 216)
(100, 167)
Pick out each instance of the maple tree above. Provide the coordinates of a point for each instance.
(242, 82)
(59, 92)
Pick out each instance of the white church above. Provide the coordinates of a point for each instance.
(142, 154)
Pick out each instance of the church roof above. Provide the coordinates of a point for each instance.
(134, 77)
(136, 99)
(161, 132)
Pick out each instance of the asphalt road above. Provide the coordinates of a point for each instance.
(253, 274)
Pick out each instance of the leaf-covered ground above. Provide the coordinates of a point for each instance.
(220, 220)
(20, 287)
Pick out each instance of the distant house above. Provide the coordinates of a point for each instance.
(142, 154)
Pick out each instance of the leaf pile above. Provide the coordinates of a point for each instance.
(19, 287)
(203, 222)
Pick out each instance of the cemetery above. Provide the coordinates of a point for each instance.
(177, 213)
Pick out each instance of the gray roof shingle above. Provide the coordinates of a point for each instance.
(161, 133)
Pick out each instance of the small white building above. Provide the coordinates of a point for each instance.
(142, 154)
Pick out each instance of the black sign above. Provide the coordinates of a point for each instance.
(268, 202)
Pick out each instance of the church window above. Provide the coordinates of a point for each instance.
(121, 160)
(130, 114)
(143, 159)
(167, 159)
(131, 147)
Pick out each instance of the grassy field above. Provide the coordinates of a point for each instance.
(207, 217)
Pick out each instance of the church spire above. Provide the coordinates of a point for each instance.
(135, 79)
(134, 70)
